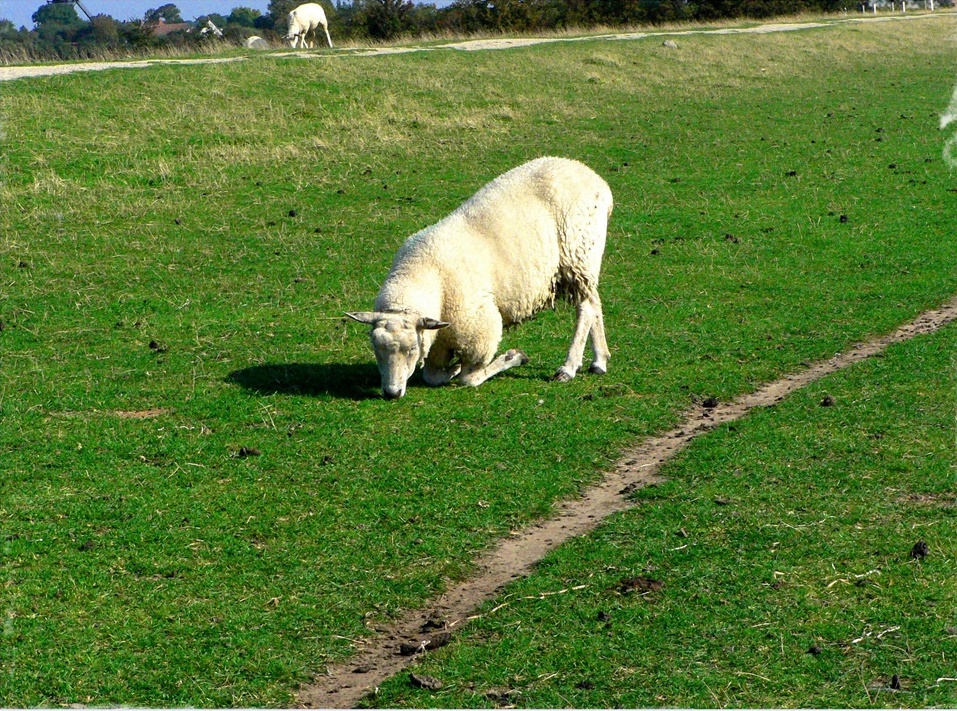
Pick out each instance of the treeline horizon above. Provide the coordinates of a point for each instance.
(61, 33)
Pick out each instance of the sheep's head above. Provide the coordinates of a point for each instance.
(397, 342)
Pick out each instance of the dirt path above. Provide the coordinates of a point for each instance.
(47, 70)
(26, 72)
(381, 657)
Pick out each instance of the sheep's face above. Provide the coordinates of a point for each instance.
(397, 342)
(396, 346)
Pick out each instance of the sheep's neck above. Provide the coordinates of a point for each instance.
(421, 295)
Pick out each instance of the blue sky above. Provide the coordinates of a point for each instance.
(20, 11)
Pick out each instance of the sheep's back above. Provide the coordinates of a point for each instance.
(532, 235)
(544, 223)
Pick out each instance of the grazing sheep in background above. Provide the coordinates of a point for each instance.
(255, 42)
(303, 20)
(530, 236)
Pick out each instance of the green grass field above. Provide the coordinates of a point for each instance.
(203, 500)
(781, 546)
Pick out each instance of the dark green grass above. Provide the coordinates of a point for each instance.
(185, 239)
(783, 547)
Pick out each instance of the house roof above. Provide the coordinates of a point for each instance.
(162, 29)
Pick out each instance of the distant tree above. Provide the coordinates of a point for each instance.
(384, 19)
(57, 29)
(278, 10)
(137, 34)
(660, 11)
(104, 31)
(715, 9)
(470, 16)
(525, 15)
(240, 25)
(425, 17)
(769, 8)
(216, 19)
(244, 16)
(167, 13)
(9, 38)
(264, 22)
(213, 17)
(61, 14)
(580, 13)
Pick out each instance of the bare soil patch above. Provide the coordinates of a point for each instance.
(399, 645)
(142, 414)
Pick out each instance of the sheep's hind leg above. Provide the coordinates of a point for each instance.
(598, 343)
(590, 322)
(476, 375)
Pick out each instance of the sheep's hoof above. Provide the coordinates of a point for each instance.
(597, 369)
(562, 375)
(513, 353)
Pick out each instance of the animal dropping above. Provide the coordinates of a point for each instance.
(423, 681)
(531, 236)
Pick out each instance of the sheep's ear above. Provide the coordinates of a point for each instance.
(363, 316)
(430, 324)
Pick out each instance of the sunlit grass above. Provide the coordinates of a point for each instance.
(182, 241)
(782, 547)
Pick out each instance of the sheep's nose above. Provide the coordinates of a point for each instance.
(391, 394)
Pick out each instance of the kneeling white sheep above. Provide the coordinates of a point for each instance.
(530, 236)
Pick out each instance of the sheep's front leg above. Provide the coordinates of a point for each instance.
(482, 337)
(438, 368)
(476, 375)
(590, 322)
(437, 375)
